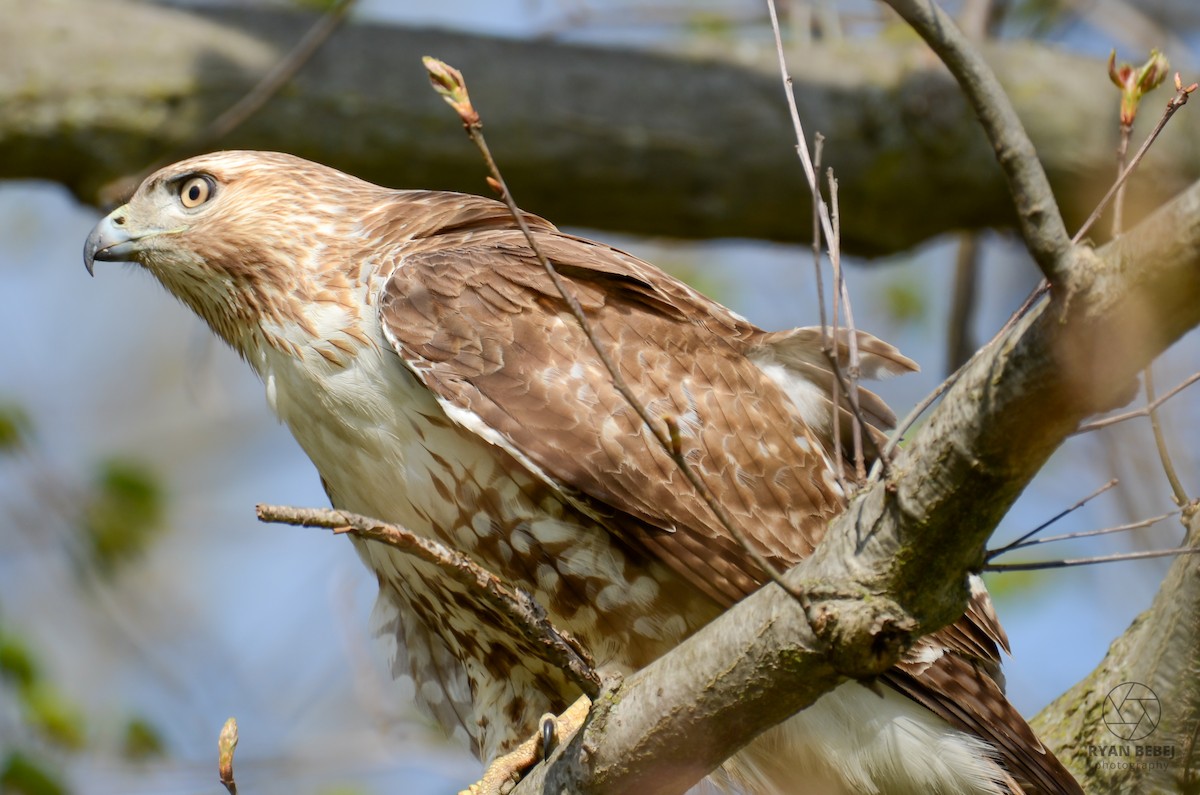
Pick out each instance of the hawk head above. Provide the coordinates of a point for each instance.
(240, 237)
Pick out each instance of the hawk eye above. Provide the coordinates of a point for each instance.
(195, 192)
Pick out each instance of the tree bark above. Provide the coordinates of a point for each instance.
(1160, 651)
(894, 566)
(690, 144)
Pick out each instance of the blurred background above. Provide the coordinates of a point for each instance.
(141, 604)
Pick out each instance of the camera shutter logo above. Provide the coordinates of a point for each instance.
(1131, 711)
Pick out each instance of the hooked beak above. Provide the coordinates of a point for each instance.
(110, 241)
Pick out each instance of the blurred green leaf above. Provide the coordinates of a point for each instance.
(1015, 585)
(17, 663)
(693, 272)
(708, 23)
(24, 775)
(904, 301)
(315, 5)
(142, 741)
(15, 426)
(54, 716)
(125, 512)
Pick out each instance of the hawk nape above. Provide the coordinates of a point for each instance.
(424, 361)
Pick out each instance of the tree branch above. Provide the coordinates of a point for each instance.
(92, 89)
(1040, 221)
(1159, 650)
(556, 648)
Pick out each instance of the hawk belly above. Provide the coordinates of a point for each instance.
(405, 461)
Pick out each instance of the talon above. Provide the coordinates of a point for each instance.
(549, 734)
(504, 772)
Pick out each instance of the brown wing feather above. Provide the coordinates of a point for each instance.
(481, 323)
(477, 318)
(964, 694)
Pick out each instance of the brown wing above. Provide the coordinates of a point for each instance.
(475, 316)
(480, 322)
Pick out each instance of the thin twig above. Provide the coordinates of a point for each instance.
(810, 172)
(910, 419)
(827, 345)
(1132, 92)
(1041, 222)
(825, 223)
(449, 82)
(1069, 562)
(1031, 300)
(1124, 528)
(1175, 103)
(817, 201)
(1142, 412)
(842, 296)
(1021, 541)
(554, 646)
(236, 115)
(1128, 114)
(1160, 441)
(1126, 131)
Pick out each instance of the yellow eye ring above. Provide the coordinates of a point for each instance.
(194, 192)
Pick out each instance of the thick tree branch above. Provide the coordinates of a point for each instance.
(691, 144)
(1158, 650)
(906, 544)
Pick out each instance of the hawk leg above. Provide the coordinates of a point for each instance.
(505, 771)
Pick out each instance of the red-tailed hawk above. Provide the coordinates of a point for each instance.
(424, 361)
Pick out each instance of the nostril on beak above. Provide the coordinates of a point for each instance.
(119, 220)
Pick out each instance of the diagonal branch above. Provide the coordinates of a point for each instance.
(1040, 221)
(1144, 411)
(557, 648)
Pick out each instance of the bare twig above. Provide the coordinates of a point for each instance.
(817, 202)
(910, 419)
(1134, 84)
(1041, 222)
(849, 378)
(1119, 199)
(253, 101)
(555, 647)
(1040, 219)
(1031, 300)
(810, 171)
(827, 345)
(449, 82)
(1021, 541)
(1142, 412)
(227, 742)
(1176, 102)
(1160, 441)
(1070, 562)
(826, 223)
(1124, 528)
